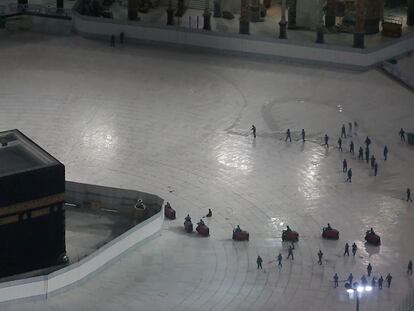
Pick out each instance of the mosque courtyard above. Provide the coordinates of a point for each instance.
(177, 124)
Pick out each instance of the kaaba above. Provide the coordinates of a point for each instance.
(32, 213)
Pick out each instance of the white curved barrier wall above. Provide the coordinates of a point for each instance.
(243, 44)
(44, 285)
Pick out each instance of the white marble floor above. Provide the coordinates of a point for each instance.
(177, 124)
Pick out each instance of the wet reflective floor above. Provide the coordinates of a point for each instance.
(178, 125)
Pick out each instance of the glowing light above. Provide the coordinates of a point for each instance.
(310, 187)
(276, 223)
(350, 291)
(368, 288)
(360, 289)
(234, 155)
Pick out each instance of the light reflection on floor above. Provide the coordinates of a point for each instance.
(195, 150)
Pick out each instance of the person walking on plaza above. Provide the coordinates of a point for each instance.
(402, 134)
(346, 252)
(367, 141)
(253, 129)
(360, 154)
(303, 135)
(385, 153)
(369, 269)
(388, 278)
(410, 268)
(367, 154)
(380, 281)
(344, 166)
(121, 37)
(288, 135)
(336, 284)
(375, 169)
(409, 195)
(279, 260)
(326, 140)
(349, 128)
(290, 252)
(259, 261)
(373, 282)
(351, 147)
(112, 42)
(364, 281)
(372, 161)
(320, 255)
(343, 131)
(349, 175)
(340, 144)
(350, 279)
(354, 249)
(355, 128)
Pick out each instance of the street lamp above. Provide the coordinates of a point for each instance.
(357, 289)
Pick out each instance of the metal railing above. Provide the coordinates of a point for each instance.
(35, 9)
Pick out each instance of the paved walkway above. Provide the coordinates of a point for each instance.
(177, 124)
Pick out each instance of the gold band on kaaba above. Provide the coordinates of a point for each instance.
(31, 205)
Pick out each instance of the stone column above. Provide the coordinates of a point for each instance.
(282, 23)
(180, 8)
(132, 10)
(330, 18)
(59, 4)
(21, 4)
(410, 13)
(359, 24)
(217, 8)
(244, 25)
(207, 19)
(372, 16)
(2, 23)
(254, 11)
(382, 5)
(170, 14)
(319, 30)
(292, 14)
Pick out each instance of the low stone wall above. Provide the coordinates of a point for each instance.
(112, 198)
(42, 286)
(39, 24)
(396, 73)
(246, 45)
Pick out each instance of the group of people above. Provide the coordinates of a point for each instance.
(374, 166)
(364, 281)
(372, 160)
(201, 222)
(374, 281)
(349, 282)
(354, 249)
(112, 39)
(279, 257)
